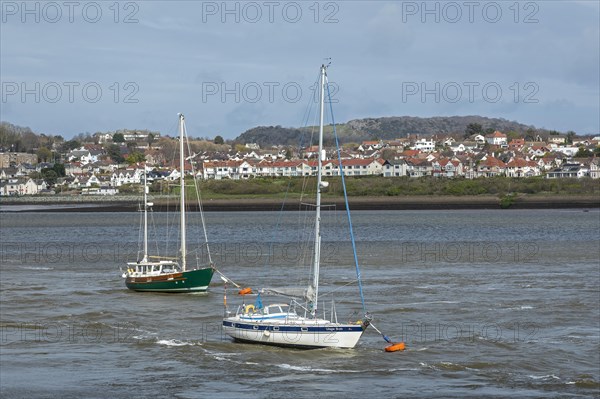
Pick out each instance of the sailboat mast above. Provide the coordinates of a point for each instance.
(145, 217)
(317, 259)
(182, 186)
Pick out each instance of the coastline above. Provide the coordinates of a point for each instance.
(129, 204)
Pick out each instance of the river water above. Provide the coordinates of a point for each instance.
(490, 303)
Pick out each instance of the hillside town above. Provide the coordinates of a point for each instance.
(116, 163)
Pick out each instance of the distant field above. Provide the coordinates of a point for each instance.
(374, 186)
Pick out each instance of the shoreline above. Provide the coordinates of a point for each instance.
(130, 204)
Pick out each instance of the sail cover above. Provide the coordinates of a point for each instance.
(294, 292)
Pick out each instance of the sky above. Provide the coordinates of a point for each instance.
(87, 66)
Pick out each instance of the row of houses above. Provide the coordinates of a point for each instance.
(411, 166)
(488, 166)
(89, 169)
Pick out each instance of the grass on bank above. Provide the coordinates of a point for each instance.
(374, 186)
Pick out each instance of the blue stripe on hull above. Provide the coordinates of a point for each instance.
(249, 341)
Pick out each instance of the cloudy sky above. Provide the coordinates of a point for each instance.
(69, 68)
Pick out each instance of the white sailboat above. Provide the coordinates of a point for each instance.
(154, 273)
(297, 324)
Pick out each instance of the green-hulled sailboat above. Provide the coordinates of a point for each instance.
(164, 274)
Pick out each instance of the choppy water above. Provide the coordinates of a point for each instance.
(489, 303)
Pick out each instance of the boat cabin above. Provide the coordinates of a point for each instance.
(137, 269)
(275, 311)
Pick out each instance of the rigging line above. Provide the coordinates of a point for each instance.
(338, 288)
(154, 231)
(337, 144)
(198, 197)
(277, 225)
(310, 104)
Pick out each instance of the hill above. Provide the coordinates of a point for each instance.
(386, 128)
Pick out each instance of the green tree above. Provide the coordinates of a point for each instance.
(50, 176)
(135, 157)
(70, 145)
(288, 154)
(570, 136)
(114, 152)
(150, 139)
(59, 168)
(44, 154)
(118, 138)
(583, 153)
(473, 128)
(512, 135)
(219, 140)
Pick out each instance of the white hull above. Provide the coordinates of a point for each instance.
(301, 335)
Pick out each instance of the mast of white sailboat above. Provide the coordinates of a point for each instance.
(182, 186)
(145, 217)
(317, 259)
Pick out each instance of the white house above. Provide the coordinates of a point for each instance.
(496, 138)
(572, 170)
(418, 167)
(424, 145)
(394, 168)
(520, 167)
(447, 168)
(18, 186)
(363, 167)
(228, 170)
(127, 176)
(477, 138)
(595, 168)
(84, 156)
(567, 150)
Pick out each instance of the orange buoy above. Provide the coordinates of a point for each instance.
(395, 347)
(245, 291)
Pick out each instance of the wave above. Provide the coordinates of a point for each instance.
(430, 303)
(309, 369)
(544, 377)
(175, 342)
(36, 268)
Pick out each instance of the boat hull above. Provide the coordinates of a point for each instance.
(188, 281)
(331, 335)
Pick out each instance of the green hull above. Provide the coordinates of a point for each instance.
(188, 281)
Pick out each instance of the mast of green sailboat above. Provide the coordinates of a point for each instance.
(145, 259)
(182, 192)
